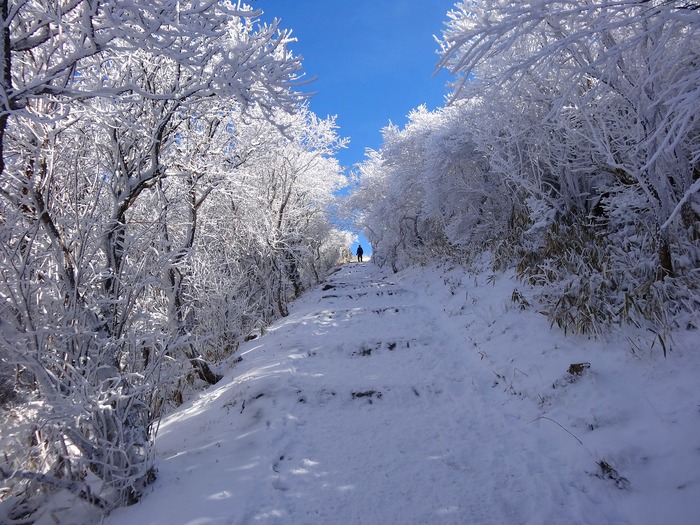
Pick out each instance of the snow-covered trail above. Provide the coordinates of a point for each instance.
(365, 405)
(403, 437)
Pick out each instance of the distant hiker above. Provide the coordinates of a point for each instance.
(360, 251)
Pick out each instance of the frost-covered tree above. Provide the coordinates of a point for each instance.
(620, 78)
(570, 149)
(429, 192)
(267, 234)
(595, 117)
(99, 217)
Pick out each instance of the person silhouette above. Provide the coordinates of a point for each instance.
(359, 253)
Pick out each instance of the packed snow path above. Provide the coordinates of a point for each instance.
(363, 406)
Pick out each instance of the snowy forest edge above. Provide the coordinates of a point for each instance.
(569, 150)
(165, 193)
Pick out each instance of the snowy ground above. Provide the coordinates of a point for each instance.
(431, 397)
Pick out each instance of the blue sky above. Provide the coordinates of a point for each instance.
(374, 61)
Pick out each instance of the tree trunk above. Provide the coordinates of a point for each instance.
(6, 74)
(198, 362)
(665, 257)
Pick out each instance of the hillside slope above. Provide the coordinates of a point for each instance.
(431, 397)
